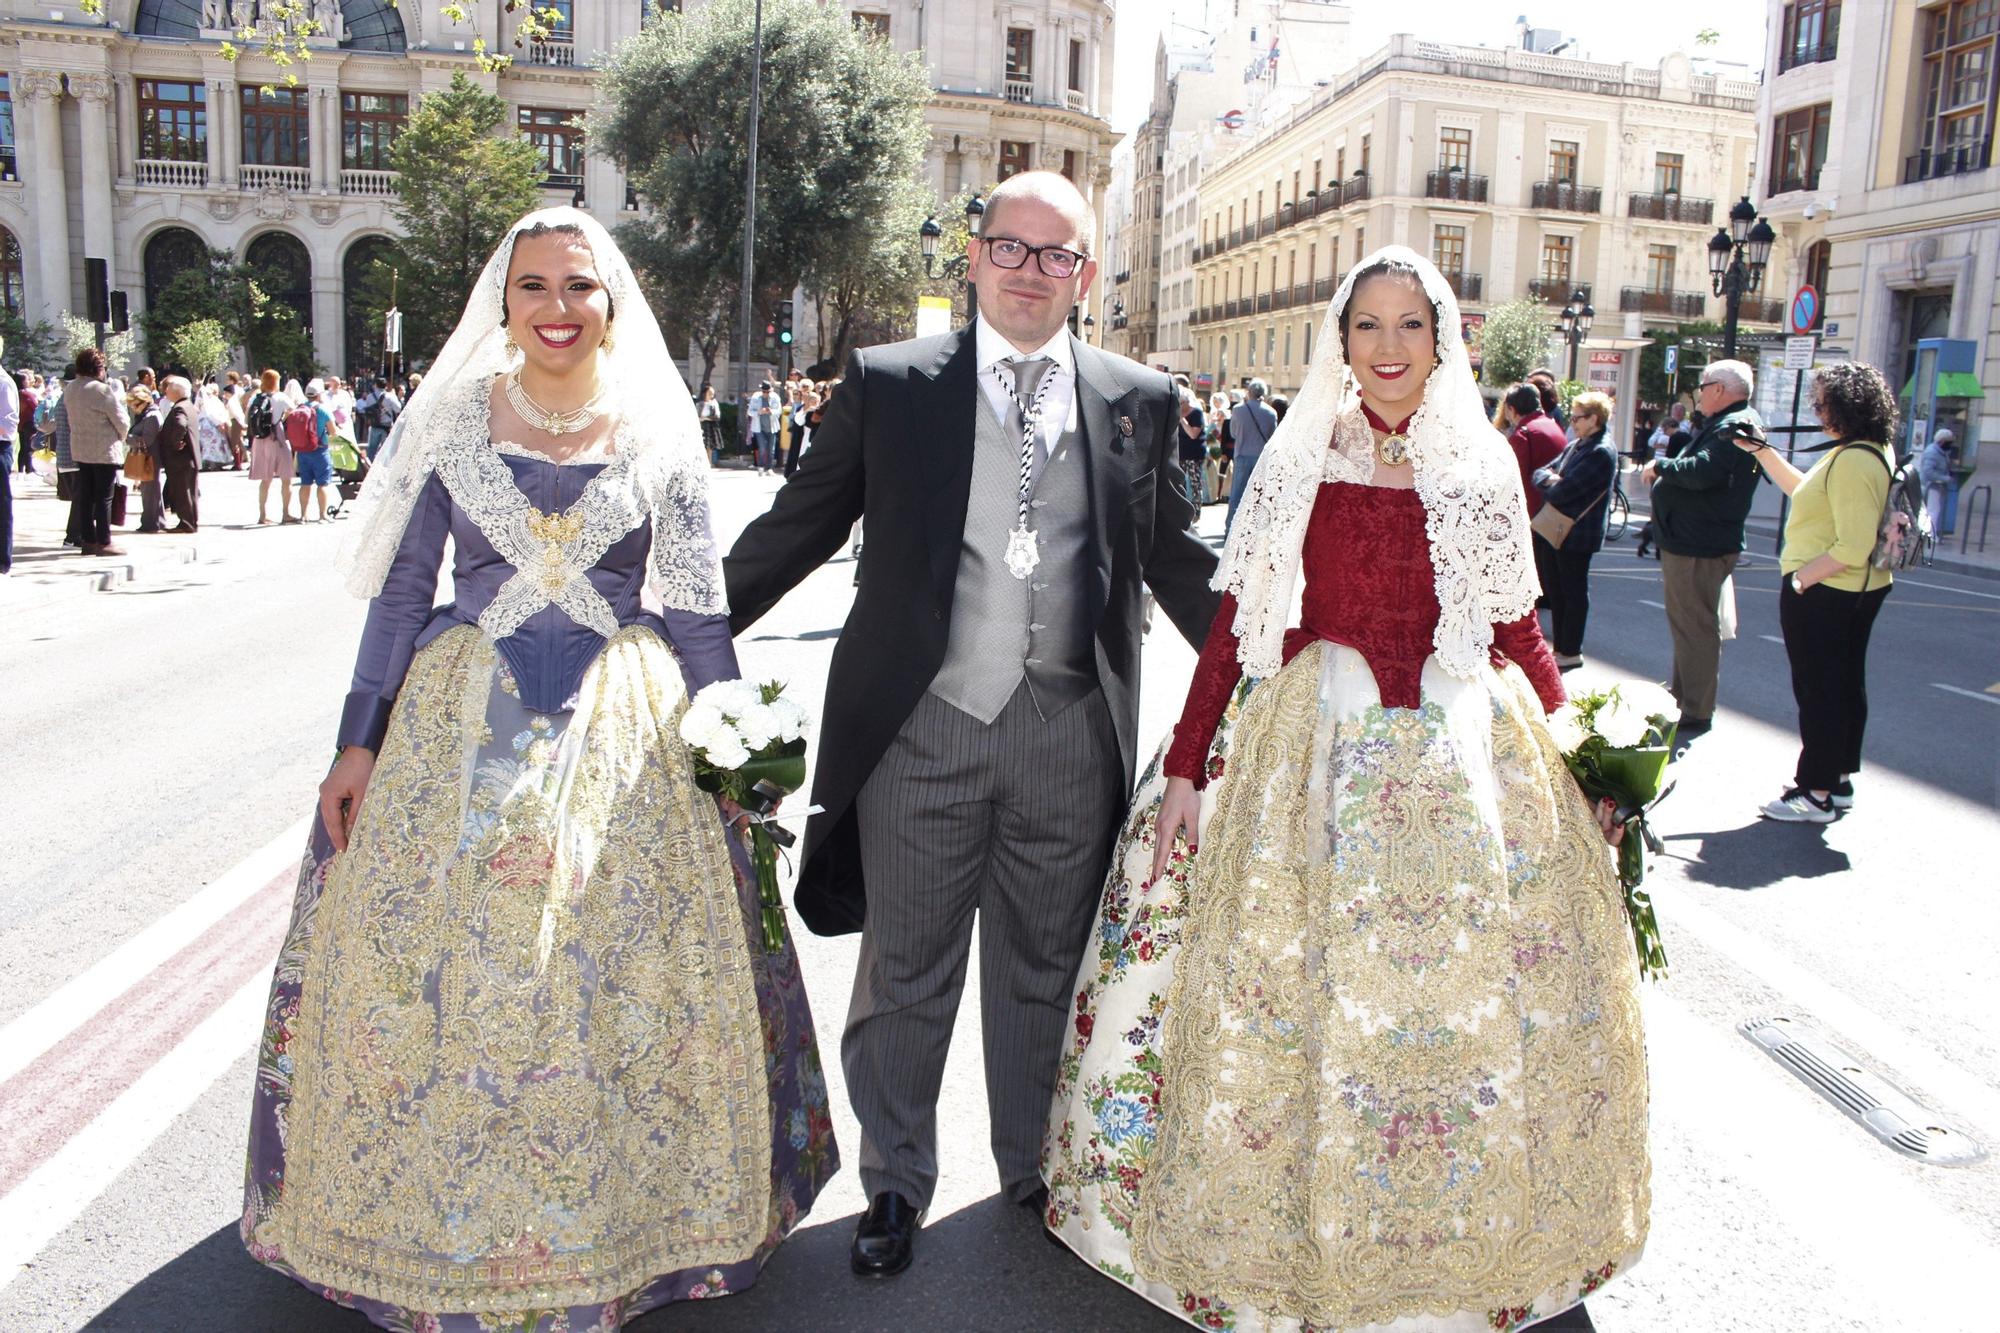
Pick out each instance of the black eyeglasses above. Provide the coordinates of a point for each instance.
(1055, 261)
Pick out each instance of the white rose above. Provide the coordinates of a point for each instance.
(738, 695)
(1649, 700)
(713, 695)
(728, 752)
(1621, 725)
(758, 726)
(1566, 729)
(701, 723)
(791, 718)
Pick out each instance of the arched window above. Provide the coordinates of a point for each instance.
(369, 25)
(362, 335)
(13, 291)
(285, 271)
(169, 253)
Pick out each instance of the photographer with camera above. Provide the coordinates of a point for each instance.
(1700, 501)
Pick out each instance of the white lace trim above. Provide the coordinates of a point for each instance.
(596, 454)
(1474, 513)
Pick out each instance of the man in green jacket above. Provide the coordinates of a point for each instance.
(1700, 500)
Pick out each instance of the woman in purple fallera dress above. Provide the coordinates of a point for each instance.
(527, 1063)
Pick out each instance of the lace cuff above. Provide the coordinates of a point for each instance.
(1521, 642)
(1215, 678)
(686, 566)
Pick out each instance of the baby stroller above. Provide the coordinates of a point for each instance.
(350, 469)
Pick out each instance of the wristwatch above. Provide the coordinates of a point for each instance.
(1798, 587)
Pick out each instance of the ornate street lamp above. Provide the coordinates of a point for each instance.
(930, 233)
(1574, 324)
(1736, 260)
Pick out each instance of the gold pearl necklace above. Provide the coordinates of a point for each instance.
(545, 419)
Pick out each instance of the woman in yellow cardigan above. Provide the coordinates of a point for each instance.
(1831, 592)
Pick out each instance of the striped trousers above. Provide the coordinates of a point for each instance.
(1013, 821)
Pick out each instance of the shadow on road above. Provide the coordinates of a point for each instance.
(1759, 855)
(986, 1267)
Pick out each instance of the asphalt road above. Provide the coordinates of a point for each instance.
(163, 742)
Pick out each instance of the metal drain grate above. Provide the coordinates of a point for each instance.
(1885, 1111)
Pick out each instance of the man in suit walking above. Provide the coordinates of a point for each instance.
(978, 748)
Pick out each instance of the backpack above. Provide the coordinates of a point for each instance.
(1904, 537)
(302, 429)
(259, 417)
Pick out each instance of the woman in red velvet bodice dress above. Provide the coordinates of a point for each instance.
(1358, 1044)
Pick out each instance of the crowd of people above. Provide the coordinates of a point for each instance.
(97, 436)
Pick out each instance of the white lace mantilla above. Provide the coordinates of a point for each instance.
(1474, 513)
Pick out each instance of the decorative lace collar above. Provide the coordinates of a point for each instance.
(595, 456)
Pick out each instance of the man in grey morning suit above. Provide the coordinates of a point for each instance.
(978, 745)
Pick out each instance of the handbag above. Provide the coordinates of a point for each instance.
(1553, 525)
(140, 466)
(119, 491)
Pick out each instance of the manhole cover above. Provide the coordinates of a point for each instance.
(1882, 1109)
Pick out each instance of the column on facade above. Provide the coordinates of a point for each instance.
(1509, 167)
(226, 121)
(324, 141)
(42, 91)
(212, 100)
(127, 92)
(329, 347)
(93, 94)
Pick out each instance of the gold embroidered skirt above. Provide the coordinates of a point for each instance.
(1372, 1060)
(516, 1060)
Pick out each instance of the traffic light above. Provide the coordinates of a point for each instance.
(785, 323)
(121, 314)
(770, 335)
(97, 290)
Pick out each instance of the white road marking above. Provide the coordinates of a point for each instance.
(1950, 1090)
(70, 1005)
(1970, 694)
(1917, 1261)
(1771, 638)
(57, 1192)
(1657, 606)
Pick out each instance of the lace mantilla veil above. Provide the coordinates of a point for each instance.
(1466, 476)
(658, 440)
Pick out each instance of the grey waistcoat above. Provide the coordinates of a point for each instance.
(1004, 628)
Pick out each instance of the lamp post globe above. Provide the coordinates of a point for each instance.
(975, 212)
(928, 236)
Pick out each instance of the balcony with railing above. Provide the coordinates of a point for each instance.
(173, 174)
(1787, 183)
(256, 176)
(1465, 286)
(558, 49)
(1952, 160)
(1761, 310)
(1649, 301)
(1281, 299)
(1263, 302)
(1807, 53)
(1073, 100)
(1456, 185)
(1672, 208)
(1020, 90)
(1302, 293)
(1323, 289)
(1354, 189)
(1567, 197)
(1556, 291)
(568, 182)
(1267, 224)
(367, 182)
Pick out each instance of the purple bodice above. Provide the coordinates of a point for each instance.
(550, 652)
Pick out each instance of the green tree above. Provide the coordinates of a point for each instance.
(202, 347)
(841, 135)
(1700, 342)
(463, 178)
(37, 346)
(1513, 341)
(80, 333)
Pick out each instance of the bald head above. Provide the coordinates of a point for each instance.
(1048, 187)
(175, 388)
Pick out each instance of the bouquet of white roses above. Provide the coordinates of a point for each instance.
(1617, 742)
(749, 744)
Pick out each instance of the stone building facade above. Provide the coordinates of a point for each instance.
(1521, 174)
(128, 135)
(1876, 134)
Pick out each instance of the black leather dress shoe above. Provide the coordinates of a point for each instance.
(884, 1236)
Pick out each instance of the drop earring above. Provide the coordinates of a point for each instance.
(606, 345)
(512, 348)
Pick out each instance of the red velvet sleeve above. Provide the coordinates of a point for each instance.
(1215, 678)
(1523, 644)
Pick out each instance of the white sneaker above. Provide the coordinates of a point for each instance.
(1798, 806)
(1842, 794)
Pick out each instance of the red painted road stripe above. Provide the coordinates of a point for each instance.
(66, 1086)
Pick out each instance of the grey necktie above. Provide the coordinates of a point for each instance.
(1027, 374)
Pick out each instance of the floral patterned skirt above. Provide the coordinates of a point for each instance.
(1371, 1060)
(526, 1065)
